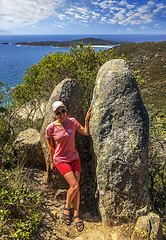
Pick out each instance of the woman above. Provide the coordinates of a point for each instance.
(63, 155)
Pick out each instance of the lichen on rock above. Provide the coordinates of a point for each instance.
(148, 227)
(119, 127)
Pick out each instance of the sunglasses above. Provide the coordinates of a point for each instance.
(59, 113)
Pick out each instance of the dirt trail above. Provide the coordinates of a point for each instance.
(52, 226)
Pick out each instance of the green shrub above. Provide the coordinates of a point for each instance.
(20, 207)
(81, 63)
(1, 92)
(138, 78)
(157, 161)
(6, 139)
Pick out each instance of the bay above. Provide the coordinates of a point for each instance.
(14, 59)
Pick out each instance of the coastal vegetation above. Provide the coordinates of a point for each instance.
(20, 207)
(1, 92)
(148, 63)
(81, 63)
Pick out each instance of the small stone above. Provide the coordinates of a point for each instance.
(87, 216)
(54, 212)
(61, 194)
(148, 228)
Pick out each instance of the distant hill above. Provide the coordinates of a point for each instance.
(148, 60)
(86, 41)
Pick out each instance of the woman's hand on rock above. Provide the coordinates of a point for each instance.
(88, 115)
(53, 167)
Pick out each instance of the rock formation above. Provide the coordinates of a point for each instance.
(119, 128)
(28, 149)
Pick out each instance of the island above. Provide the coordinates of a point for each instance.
(86, 41)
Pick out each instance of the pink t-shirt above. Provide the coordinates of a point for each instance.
(64, 140)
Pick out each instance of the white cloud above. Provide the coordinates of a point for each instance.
(23, 12)
(95, 15)
(137, 16)
(115, 8)
(61, 16)
(143, 9)
(130, 13)
(143, 27)
(106, 4)
(82, 10)
(151, 3)
(103, 19)
(128, 29)
(120, 15)
(77, 16)
(156, 26)
(123, 3)
(112, 21)
(57, 26)
(80, 13)
(159, 7)
(127, 14)
(70, 11)
(15, 13)
(130, 6)
(103, 4)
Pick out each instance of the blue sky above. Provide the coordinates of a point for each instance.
(82, 17)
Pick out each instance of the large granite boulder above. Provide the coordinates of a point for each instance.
(119, 127)
(28, 149)
(69, 92)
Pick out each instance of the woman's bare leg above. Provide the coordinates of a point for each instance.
(76, 199)
(73, 194)
(76, 203)
(72, 191)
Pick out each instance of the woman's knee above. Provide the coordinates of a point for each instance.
(75, 187)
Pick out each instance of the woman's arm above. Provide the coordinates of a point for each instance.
(85, 130)
(51, 150)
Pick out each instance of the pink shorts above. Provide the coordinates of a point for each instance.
(65, 167)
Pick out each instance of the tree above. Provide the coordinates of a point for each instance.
(81, 63)
(1, 91)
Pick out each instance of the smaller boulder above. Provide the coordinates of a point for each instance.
(148, 228)
(69, 92)
(28, 149)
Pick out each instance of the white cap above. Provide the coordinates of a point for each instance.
(56, 105)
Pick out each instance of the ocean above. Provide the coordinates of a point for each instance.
(14, 59)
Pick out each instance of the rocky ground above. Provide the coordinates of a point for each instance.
(52, 226)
